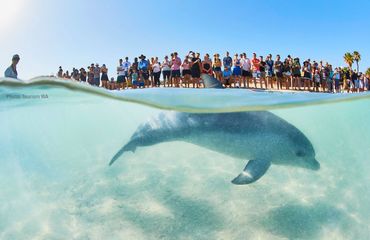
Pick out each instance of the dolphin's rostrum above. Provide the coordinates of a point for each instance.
(260, 137)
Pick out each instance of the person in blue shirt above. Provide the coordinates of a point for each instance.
(227, 61)
(11, 72)
(270, 70)
(143, 69)
(226, 77)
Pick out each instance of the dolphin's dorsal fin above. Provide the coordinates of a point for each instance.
(253, 171)
(210, 82)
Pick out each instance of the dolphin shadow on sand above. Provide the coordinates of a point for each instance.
(260, 137)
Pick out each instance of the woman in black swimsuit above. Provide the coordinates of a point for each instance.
(207, 65)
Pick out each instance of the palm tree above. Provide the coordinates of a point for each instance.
(348, 58)
(357, 57)
(368, 72)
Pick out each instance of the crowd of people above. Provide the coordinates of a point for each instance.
(238, 71)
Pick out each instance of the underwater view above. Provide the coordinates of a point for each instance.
(79, 162)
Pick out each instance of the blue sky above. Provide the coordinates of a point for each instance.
(49, 33)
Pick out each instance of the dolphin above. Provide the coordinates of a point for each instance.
(259, 137)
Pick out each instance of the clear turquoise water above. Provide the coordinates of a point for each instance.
(55, 182)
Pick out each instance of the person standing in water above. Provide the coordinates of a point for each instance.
(96, 70)
(83, 75)
(60, 72)
(175, 67)
(11, 72)
(256, 69)
(156, 68)
(104, 76)
(121, 75)
(236, 71)
(262, 69)
(246, 70)
(278, 71)
(227, 61)
(90, 74)
(207, 65)
(186, 72)
(144, 71)
(217, 64)
(195, 67)
(166, 71)
(270, 70)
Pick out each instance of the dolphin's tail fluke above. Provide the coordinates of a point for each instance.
(129, 147)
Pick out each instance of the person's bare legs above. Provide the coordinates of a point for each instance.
(263, 79)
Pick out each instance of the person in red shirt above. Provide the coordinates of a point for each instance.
(256, 68)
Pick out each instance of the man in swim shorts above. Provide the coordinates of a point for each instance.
(246, 70)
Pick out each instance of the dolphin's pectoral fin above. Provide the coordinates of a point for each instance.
(124, 149)
(253, 171)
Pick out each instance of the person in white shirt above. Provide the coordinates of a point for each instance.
(156, 68)
(166, 71)
(246, 70)
(121, 75)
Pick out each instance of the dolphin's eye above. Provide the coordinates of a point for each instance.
(300, 153)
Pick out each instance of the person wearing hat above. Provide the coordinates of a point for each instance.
(144, 72)
(11, 72)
